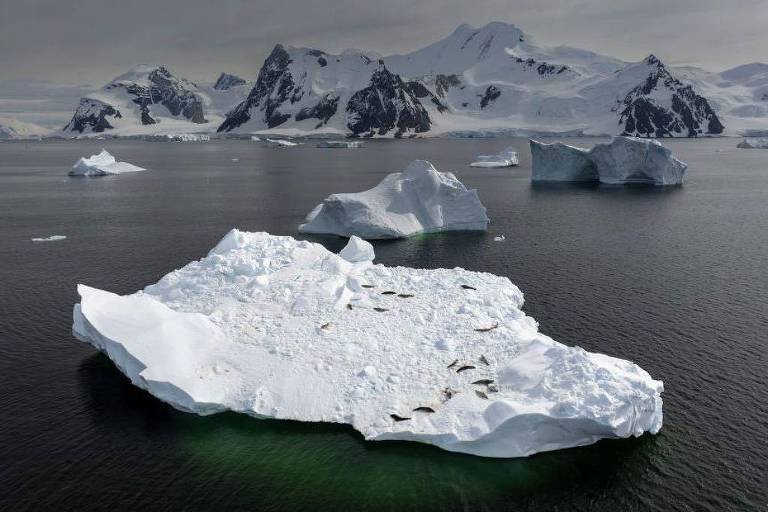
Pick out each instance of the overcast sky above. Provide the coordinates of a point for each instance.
(90, 41)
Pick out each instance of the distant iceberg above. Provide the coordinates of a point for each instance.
(52, 238)
(280, 142)
(417, 200)
(278, 328)
(101, 165)
(753, 143)
(345, 144)
(625, 160)
(507, 158)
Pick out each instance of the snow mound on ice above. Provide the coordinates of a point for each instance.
(506, 158)
(624, 160)
(278, 328)
(417, 200)
(101, 165)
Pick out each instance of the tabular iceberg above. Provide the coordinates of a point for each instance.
(417, 200)
(277, 328)
(101, 165)
(507, 158)
(561, 162)
(753, 143)
(625, 160)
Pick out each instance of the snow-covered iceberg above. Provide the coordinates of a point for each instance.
(507, 158)
(417, 200)
(278, 328)
(624, 160)
(101, 165)
(753, 143)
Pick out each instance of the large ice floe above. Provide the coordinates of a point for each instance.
(507, 158)
(624, 160)
(753, 143)
(101, 165)
(417, 200)
(278, 328)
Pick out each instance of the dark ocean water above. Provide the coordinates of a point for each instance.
(674, 280)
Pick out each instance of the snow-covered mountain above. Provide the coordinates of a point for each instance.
(15, 129)
(493, 80)
(151, 99)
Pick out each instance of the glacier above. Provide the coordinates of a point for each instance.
(101, 165)
(624, 160)
(506, 158)
(417, 200)
(273, 327)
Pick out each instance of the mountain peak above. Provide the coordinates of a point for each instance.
(652, 60)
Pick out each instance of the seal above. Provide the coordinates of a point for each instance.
(405, 295)
(398, 418)
(483, 382)
(380, 310)
(486, 329)
(481, 394)
(484, 360)
(467, 287)
(454, 363)
(463, 368)
(367, 286)
(423, 409)
(389, 292)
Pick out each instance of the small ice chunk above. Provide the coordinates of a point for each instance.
(753, 143)
(499, 238)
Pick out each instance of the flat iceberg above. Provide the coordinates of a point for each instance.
(280, 142)
(624, 160)
(278, 328)
(507, 158)
(753, 143)
(344, 144)
(52, 238)
(101, 165)
(417, 200)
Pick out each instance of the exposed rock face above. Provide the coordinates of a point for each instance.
(323, 111)
(625, 160)
(138, 92)
(561, 162)
(491, 94)
(274, 86)
(92, 115)
(227, 81)
(386, 104)
(689, 114)
(162, 87)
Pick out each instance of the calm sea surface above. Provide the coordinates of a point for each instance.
(675, 280)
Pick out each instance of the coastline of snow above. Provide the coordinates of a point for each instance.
(278, 328)
(417, 200)
(102, 164)
(624, 160)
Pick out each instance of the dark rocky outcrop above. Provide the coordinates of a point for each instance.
(690, 114)
(227, 81)
(274, 86)
(92, 115)
(490, 95)
(386, 104)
